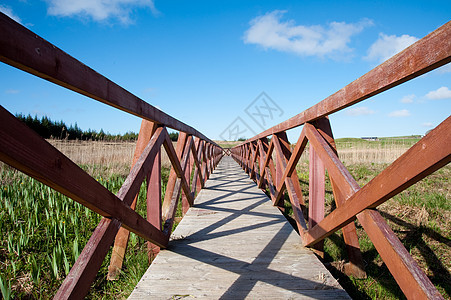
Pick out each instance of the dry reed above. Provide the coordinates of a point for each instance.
(356, 153)
(102, 158)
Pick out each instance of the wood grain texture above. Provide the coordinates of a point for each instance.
(289, 183)
(432, 51)
(23, 149)
(409, 276)
(428, 155)
(233, 244)
(120, 243)
(23, 49)
(355, 266)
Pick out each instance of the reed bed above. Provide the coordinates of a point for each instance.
(365, 152)
(42, 232)
(101, 158)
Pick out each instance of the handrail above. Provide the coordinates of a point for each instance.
(427, 54)
(23, 49)
(26, 151)
(273, 165)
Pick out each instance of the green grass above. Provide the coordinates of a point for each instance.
(42, 232)
(420, 218)
(407, 141)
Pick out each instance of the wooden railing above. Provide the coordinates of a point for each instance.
(23, 149)
(272, 164)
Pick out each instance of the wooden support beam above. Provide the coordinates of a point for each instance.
(197, 176)
(25, 50)
(120, 244)
(317, 194)
(198, 172)
(77, 283)
(288, 170)
(295, 194)
(154, 202)
(169, 212)
(268, 161)
(355, 266)
(428, 155)
(409, 276)
(254, 155)
(268, 171)
(262, 183)
(188, 170)
(26, 151)
(175, 157)
(432, 51)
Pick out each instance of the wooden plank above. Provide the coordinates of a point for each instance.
(428, 155)
(343, 179)
(355, 266)
(268, 157)
(289, 183)
(288, 179)
(26, 151)
(25, 50)
(317, 194)
(188, 170)
(207, 258)
(409, 276)
(120, 244)
(262, 182)
(169, 213)
(198, 181)
(254, 149)
(77, 283)
(175, 157)
(153, 200)
(432, 51)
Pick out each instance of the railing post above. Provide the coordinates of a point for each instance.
(154, 202)
(188, 170)
(355, 267)
(317, 194)
(121, 240)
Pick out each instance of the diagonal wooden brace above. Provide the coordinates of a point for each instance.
(120, 244)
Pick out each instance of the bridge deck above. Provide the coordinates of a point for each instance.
(233, 244)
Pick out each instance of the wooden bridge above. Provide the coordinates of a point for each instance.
(235, 244)
(233, 241)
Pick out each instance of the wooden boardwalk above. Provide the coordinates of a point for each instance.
(233, 244)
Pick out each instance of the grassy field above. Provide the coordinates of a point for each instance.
(420, 217)
(43, 232)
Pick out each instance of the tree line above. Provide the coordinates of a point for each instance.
(49, 129)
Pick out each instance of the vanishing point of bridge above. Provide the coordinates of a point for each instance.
(233, 241)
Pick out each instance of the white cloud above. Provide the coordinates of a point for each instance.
(270, 32)
(359, 111)
(399, 113)
(388, 45)
(441, 93)
(408, 99)
(427, 124)
(11, 91)
(98, 10)
(9, 12)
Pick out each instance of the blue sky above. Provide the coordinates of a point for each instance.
(207, 63)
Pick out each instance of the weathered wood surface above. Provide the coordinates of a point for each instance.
(234, 244)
